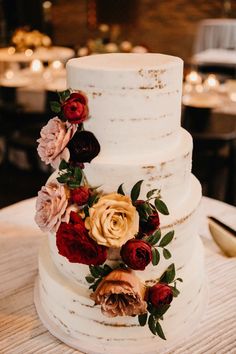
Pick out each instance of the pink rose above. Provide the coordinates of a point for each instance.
(51, 206)
(54, 138)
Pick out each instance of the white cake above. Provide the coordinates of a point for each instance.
(135, 106)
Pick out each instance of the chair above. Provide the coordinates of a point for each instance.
(214, 153)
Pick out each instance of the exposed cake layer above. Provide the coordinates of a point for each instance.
(134, 99)
(166, 169)
(68, 306)
(183, 220)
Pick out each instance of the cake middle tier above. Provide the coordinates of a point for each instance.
(168, 170)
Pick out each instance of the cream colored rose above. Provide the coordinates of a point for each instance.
(113, 220)
(121, 293)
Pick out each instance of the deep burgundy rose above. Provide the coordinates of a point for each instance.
(80, 195)
(74, 243)
(75, 108)
(151, 224)
(83, 147)
(136, 254)
(160, 294)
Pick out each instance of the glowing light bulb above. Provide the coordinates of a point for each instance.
(36, 66)
(11, 50)
(193, 78)
(28, 52)
(56, 65)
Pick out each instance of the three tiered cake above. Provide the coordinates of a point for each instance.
(122, 267)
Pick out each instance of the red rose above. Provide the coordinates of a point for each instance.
(151, 224)
(80, 195)
(74, 243)
(160, 294)
(137, 254)
(75, 108)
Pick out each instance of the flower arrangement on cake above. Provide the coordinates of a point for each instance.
(114, 234)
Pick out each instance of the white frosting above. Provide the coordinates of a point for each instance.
(134, 100)
(134, 103)
(69, 306)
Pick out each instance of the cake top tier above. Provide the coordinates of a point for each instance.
(120, 70)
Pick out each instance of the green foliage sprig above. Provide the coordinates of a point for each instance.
(155, 314)
(70, 175)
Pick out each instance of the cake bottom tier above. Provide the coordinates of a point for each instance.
(69, 314)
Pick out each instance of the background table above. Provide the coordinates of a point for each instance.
(22, 332)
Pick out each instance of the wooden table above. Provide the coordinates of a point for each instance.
(22, 332)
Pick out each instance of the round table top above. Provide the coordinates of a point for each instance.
(21, 330)
(43, 54)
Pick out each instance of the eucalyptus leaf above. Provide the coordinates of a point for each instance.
(161, 206)
(169, 275)
(180, 279)
(55, 106)
(161, 310)
(143, 319)
(152, 324)
(166, 253)
(136, 191)
(155, 256)
(167, 239)
(159, 331)
(120, 190)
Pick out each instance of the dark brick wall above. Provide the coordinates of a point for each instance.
(166, 26)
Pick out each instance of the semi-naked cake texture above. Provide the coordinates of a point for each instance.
(135, 106)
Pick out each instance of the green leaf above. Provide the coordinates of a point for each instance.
(62, 179)
(155, 256)
(154, 238)
(136, 191)
(161, 207)
(89, 279)
(169, 275)
(63, 165)
(175, 291)
(93, 199)
(95, 271)
(150, 193)
(152, 324)
(162, 310)
(95, 285)
(180, 279)
(78, 174)
(73, 185)
(63, 95)
(120, 189)
(86, 211)
(55, 106)
(159, 331)
(106, 269)
(166, 253)
(143, 319)
(166, 239)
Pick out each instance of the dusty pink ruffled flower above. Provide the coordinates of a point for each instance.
(53, 140)
(51, 205)
(121, 293)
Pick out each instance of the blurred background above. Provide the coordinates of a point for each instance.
(38, 37)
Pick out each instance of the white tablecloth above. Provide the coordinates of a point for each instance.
(219, 57)
(216, 33)
(22, 332)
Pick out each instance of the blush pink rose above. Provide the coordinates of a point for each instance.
(51, 205)
(53, 140)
